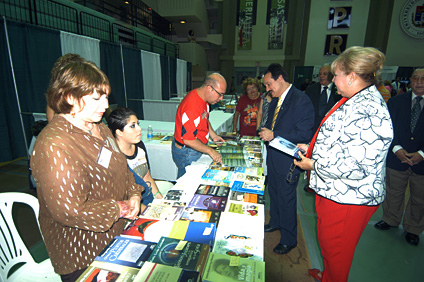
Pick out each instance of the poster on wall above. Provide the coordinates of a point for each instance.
(246, 18)
(412, 18)
(339, 17)
(276, 18)
(335, 44)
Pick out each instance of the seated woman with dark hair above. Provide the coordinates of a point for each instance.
(123, 123)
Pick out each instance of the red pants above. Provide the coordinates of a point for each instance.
(339, 229)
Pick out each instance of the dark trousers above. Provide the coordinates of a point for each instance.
(283, 212)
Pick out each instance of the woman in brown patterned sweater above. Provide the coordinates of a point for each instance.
(84, 186)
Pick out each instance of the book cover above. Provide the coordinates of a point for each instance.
(249, 170)
(285, 146)
(219, 166)
(198, 215)
(237, 236)
(154, 272)
(185, 255)
(217, 175)
(198, 232)
(248, 209)
(230, 149)
(174, 195)
(213, 190)
(250, 178)
(103, 271)
(127, 251)
(148, 229)
(162, 212)
(218, 268)
(247, 197)
(229, 135)
(207, 202)
(248, 187)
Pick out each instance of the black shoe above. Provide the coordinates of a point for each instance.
(412, 239)
(269, 228)
(382, 225)
(283, 249)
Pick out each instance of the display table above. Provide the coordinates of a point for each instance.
(160, 156)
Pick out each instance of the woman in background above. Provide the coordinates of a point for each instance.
(84, 186)
(263, 110)
(347, 160)
(123, 123)
(247, 108)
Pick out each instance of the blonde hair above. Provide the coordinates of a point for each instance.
(250, 81)
(366, 62)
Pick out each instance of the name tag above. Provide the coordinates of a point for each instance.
(104, 156)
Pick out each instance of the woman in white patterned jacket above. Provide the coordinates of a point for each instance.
(346, 159)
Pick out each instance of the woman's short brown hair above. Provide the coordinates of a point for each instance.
(250, 81)
(76, 79)
(366, 62)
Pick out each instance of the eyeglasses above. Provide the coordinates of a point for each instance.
(290, 177)
(220, 94)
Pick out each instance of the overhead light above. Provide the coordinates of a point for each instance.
(126, 2)
(182, 21)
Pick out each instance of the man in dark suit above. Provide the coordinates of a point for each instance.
(405, 162)
(291, 116)
(323, 94)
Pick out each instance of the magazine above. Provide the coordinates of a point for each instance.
(285, 146)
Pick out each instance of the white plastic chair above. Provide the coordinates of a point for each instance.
(13, 250)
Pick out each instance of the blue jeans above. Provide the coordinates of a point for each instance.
(183, 157)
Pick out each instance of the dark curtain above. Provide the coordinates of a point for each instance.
(405, 73)
(34, 51)
(165, 72)
(11, 136)
(133, 79)
(189, 76)
(300, 73)
(173, 75)
(111, 65)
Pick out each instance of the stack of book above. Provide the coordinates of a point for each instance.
(242, 155)
(208, 227)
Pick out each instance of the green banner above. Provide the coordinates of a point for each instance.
(276, 19)
(246, 16)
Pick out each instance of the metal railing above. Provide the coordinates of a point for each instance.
(57, 15)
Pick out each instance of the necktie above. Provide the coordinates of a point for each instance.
(415, 112)
(323, 102)
(277, 109)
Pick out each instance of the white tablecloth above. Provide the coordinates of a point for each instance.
(160, 157)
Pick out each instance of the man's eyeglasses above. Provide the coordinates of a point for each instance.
(290, 177)
(220, 94)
